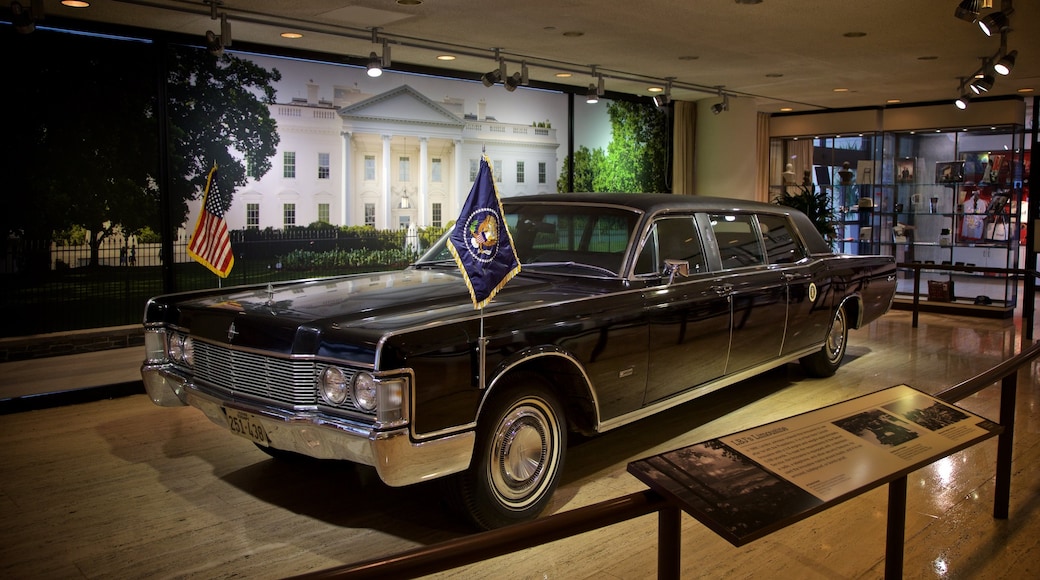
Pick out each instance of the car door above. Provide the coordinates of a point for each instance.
(808, 288)
(689, 317)
(758, 293)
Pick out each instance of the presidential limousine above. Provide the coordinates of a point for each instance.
(625, 305)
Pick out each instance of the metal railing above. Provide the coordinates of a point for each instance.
(1028, 300)
(482, 546)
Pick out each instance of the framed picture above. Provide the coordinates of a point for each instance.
(949, 172)
(905, 170)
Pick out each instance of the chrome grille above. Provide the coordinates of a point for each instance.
(246, 373)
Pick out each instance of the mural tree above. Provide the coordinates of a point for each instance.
(218, 113)
(636, 157)
(82, 148)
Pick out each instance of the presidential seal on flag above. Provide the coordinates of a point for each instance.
(480, 241)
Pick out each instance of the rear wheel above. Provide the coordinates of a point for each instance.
(521, 444)
(825, 362)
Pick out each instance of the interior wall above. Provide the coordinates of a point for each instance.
(725, 163)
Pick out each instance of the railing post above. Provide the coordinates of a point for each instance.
(896, 529)
(669, 543)
(1002, 480)
(917, 296)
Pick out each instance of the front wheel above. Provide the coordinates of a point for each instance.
(521, 444)
(825, 362)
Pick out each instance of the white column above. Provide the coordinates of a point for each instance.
(461, 180)
(423, 178)
(387, 202)
(346, 162)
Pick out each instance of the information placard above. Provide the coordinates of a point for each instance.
(748, 484)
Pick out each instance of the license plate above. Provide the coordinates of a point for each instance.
(246, 425)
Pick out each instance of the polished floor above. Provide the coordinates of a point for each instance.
(123, 489)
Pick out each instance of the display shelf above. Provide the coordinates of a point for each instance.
(949, 197)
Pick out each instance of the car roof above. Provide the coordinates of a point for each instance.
(653, 202)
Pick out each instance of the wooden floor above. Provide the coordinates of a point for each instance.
(123, 489)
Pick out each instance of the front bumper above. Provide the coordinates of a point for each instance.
(397, 459)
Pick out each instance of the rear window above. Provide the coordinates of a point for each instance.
(738, 241)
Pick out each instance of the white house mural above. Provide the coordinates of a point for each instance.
(388, 160)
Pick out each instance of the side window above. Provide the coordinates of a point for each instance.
(739, 244)
(781, 245)
(673, 238)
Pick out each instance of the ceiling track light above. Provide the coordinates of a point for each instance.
(962, 101)
(494, 76)
(997, 21)
(375, 65)
(982, 84)
(1006, 64)
(663, 100)
(517, 79)
(722, 105)
(378, 62)
(967, 10)
(592, 96)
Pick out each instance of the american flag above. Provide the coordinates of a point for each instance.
(210, 244)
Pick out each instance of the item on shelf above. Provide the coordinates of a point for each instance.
(933, 205)
(983, 300)
(940, 291)
(945, 239)
(996, 231)
(949, 172)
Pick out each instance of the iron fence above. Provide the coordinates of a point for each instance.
(47, 287)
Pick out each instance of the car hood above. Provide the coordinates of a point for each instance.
(343, 317)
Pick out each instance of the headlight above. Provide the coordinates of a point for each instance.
(333, 386)
(365, 392)
(177, 348)
(188, 349)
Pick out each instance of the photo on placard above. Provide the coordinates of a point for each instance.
(878, 427)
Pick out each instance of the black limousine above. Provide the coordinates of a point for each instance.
(626, 304)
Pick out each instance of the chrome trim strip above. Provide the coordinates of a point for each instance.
(699, 391)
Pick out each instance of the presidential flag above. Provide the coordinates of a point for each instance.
(210, 244)
(480, 241)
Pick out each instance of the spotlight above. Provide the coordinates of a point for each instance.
(994, 22)
(213, 43)
(491, 77)
(1006, 63)
(661, 100)
(512, 81)
(375, 65)
(967, 10)
(721, 106)
(216, 43)
(962, 101)
(982, 84)
(592, 96)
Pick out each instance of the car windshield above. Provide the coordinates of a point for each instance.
(559, 237)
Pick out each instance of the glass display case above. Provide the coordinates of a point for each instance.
(942, 200)
(954, 198)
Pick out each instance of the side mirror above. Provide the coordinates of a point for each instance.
(673, 267)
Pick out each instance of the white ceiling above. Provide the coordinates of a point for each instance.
(783, 53)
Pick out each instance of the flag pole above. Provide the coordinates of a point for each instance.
(481, 351)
